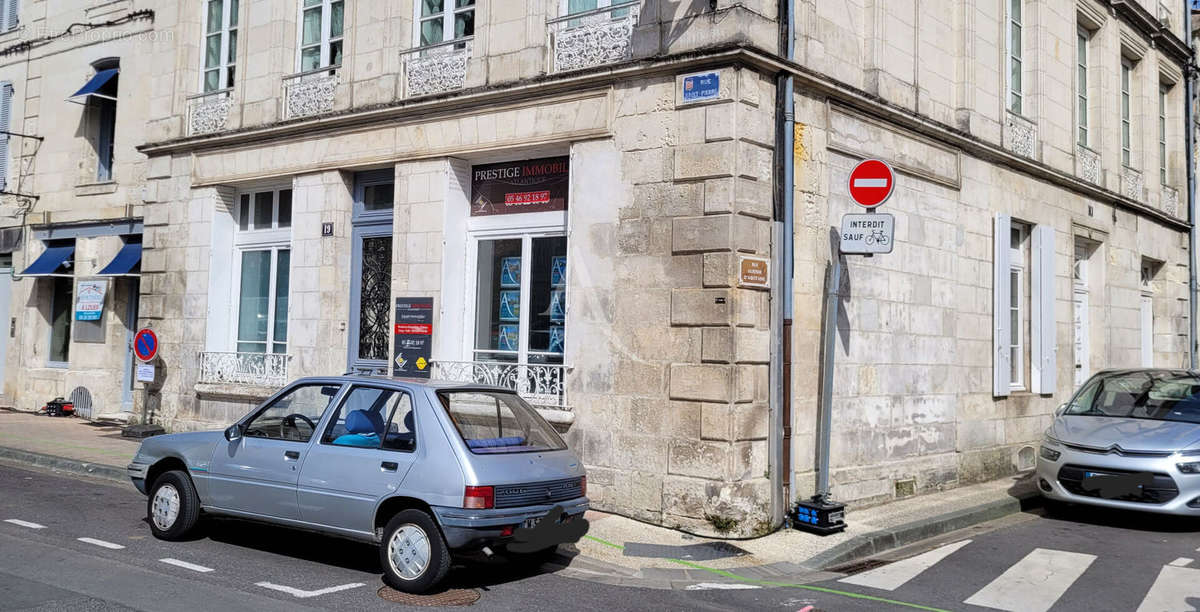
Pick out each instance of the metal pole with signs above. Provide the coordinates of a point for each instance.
(870, 185)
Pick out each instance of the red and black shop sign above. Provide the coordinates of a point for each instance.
(533, 185)
(413, 346)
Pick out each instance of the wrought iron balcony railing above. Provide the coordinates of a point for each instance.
(310, 92)
(542, 385)
(435, 69)
(208, 112)
(593, 38)
(262, 369)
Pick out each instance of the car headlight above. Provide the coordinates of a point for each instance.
(1049, 454)
(1192, 467)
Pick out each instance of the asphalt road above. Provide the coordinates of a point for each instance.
(1080, 560)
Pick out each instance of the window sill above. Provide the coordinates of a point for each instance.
(58, 365)
(12, 35)
(232, 391)
(96, 188)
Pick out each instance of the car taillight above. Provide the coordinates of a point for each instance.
(479, 498)
(583, 485)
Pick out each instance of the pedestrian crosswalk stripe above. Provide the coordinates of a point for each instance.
(21, 523)
(1181, 562)
(186, 565)
(1034, 583)
(101, 543)
(1172, 590)
(894, 575)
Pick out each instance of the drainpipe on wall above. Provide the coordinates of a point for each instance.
(1190, 129)
(782, 233)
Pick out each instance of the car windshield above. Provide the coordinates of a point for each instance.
(492, 422)
(1153, 395)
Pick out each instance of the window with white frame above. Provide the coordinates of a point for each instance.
(220, 44)
(1015, 92)
(444, 20)
(262, 262)
(321, 25)
(1163, 91)
(520, 298)
(1080, 303)
(1017, 312)
(8, 15)
(1081, 86)
(1126, 112)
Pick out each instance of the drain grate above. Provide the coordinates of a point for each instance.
(451, 597)
(859, 566)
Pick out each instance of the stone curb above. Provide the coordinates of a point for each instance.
(63, 464)
(877, 542)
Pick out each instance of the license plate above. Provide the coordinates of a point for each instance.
(530, 523)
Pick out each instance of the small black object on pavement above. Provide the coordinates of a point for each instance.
(59, 407)
(819, 516)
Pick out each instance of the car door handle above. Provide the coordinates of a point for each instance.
(388, 466)
(291, 454)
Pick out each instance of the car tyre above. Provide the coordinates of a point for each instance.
(172, 507)
(413, 552)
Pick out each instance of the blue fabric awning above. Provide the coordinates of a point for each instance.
(126, 260)
(50, 261)
(99, 80)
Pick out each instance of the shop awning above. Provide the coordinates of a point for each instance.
(50, 261)
(92, 88)
(128, 258)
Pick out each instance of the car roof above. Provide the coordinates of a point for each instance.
(436, 385)
(1122, 371)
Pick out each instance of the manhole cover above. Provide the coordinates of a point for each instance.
(452, 597)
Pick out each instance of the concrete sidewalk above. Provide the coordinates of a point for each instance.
(617, 550)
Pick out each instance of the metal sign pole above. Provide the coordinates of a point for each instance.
(826, 404)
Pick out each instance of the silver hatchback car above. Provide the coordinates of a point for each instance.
(419, 468)
(1127, 439)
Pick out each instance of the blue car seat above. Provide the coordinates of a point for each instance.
(362, 429)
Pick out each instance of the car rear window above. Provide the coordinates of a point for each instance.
(494, 422)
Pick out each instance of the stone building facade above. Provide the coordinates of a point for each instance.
(78, 83)
(310, 165)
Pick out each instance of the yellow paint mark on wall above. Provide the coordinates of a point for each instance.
(798, 151)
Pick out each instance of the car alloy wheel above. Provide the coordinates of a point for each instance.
(165, 507)
(409, 552)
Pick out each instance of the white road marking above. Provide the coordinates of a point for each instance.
(892, 576)
(101, 543)
(871, 182)
(186, 565)
(24, 523)
(1034, 583)
(1172, 590)
(715, 586)
(306, 594)
(1181, 562)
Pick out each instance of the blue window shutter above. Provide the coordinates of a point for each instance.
(6, 94)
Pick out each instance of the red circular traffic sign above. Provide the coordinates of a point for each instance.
(145, 344)
(871, 183)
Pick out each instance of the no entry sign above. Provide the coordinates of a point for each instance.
(871, 183)
(145, 345)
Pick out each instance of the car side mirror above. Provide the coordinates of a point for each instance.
(1062, 408)
(234, 432)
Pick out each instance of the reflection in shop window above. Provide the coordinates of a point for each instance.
(60, 320)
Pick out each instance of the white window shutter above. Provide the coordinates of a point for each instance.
(1043, 343)
(10, 15)
(6, 94)
(1001, 332)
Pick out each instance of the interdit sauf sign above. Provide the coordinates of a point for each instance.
(532, 185)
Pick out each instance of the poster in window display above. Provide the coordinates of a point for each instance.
(557, 336)
(558, 270)
(510, 272)
(527, 186)
(510, 305)
(558, 305)
(508, 338)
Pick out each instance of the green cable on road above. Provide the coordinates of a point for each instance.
(806, 587)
